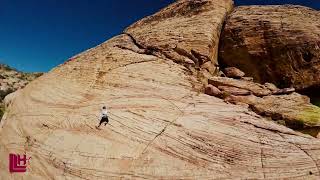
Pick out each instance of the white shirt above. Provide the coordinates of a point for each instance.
(103, 113)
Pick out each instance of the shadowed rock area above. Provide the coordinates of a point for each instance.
(277, 44)
(161, 126)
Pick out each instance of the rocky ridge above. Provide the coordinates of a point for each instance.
(11, 80)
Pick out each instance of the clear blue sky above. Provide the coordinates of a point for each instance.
(37, 35)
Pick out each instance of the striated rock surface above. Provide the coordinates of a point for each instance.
(160, 126)
(278, 44)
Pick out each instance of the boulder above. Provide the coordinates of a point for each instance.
(277, 44)
(233, 72)
(234, 90)
(212, 90)
(255, 88)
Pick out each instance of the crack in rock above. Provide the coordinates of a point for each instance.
(304, 151)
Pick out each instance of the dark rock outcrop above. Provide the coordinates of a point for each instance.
(278, 44)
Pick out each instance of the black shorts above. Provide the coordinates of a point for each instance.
(104, 119)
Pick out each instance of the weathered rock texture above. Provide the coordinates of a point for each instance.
(278, 44)
(160, 128)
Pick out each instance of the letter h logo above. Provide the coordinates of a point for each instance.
(18, 163)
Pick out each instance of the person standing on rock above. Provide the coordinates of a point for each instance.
(103, 116)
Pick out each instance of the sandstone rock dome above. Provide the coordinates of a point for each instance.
(161, 124)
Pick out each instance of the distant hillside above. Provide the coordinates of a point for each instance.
(12, 80)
